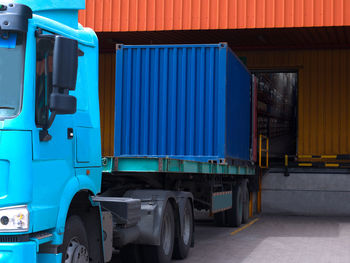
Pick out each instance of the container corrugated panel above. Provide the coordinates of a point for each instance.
(323, 96)
(182, 101)
(160, 15)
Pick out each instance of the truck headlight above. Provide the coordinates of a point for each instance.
(14, 219)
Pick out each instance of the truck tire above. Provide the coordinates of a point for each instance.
(245, 214)
(183, 242)
(75, 246)
(235, 214)
(163, 253)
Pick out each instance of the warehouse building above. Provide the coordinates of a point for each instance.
(299, 53)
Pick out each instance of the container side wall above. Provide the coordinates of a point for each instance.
(238, 115)
(323, 96)
(167, 102)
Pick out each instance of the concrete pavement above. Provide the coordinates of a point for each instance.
(275, 239)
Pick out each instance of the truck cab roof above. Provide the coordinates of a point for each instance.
(62, 11)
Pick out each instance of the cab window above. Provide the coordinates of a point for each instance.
(44, 59)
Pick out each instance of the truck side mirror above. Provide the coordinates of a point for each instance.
(64, 75)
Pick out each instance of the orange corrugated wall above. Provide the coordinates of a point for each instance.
(323, 96)
(158, 15)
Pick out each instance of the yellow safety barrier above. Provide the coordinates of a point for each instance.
(333, 165)
(251, 203)
(328, 157)
(286, 160)
(263, 150)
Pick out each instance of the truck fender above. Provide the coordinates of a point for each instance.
(153, 203)
(71, 189)
(87, 183)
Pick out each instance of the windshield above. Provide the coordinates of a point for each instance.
(12, 48)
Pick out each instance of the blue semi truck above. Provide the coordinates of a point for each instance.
(60, 200)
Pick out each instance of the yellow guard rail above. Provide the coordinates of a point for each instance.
(263, 140)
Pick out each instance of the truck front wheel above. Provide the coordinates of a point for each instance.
(75, 242)
(163, 252)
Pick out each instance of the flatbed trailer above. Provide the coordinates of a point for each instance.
(215, 187)
(168, 165)
(229, 192)
(176, 174)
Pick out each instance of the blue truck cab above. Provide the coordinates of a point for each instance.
(50, 151)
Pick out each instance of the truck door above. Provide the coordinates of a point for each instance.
(53, 162)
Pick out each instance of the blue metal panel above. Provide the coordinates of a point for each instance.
(238, 109)
(16, 157)
(171, 101)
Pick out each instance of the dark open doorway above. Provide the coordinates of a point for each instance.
(277, 110)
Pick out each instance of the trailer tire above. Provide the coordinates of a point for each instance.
(245, 214)
(220, 219)
(164, 252)
(235, 214)
(183, 242)
(75, 241)
(131, 253)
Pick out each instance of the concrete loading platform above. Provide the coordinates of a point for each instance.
(306, 192)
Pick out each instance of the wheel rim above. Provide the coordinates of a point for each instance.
(76, 252)
(187, 226)
(166, 234)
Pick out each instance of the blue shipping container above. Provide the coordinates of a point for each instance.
(182, 101)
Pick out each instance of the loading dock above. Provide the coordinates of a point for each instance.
(277, 110)
(310, 172)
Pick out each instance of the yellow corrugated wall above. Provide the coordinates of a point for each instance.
(106, 93)
(323, 99)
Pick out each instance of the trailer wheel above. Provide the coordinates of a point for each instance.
(183, 242)
(163, 253)
(220, 219)
(245, 216)
(75, 242)
(235, 214)
(131, 254)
